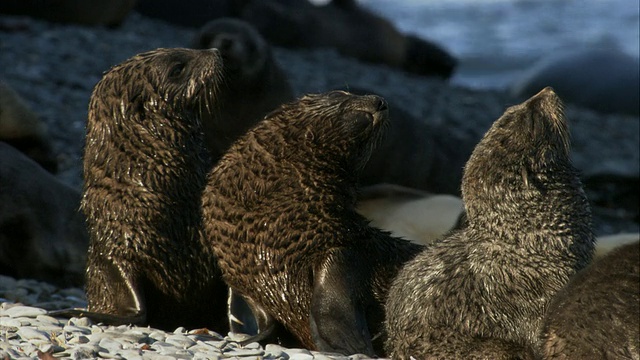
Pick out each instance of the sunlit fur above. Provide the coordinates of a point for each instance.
(482, 291)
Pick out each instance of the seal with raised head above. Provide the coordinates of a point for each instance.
(145, 167)
(597, 315)
(254, 83)
(482, 291)
(279, 210)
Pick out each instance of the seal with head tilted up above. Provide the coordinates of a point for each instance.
(279, 210)
(145, 167)
(482, 291)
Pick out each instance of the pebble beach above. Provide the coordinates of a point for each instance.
(55, 66)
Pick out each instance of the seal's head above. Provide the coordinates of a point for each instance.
(243, 49)
(335, 128)
(146, 113)
(163, 85)
(522, 150)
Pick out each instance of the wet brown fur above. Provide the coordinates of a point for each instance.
(279, 210)
(482, 291)
(144, 171)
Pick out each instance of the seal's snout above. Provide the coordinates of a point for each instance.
(546, 95)
(382, 104)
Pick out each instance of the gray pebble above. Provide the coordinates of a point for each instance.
(78, 340)
(243, 352)
(113, 345)
(295, 351)
(131, 354)
(205, 356)
(158, 335)
(180, 341)
(83, 321)
(49, 320)
(24, 311)
(29, 333)
(301, 356)
(14, 323)
(320, 356)
(77, 329)
(109, 355)
(253, 345)
(157, 357)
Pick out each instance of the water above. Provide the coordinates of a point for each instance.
(496, 39)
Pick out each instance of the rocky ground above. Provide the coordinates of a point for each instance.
(54, 67)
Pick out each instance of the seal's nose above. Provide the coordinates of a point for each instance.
(382, 104)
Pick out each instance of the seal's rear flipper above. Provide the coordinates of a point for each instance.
(109, 319)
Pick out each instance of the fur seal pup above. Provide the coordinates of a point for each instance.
(254, 83)
(42, 232)
(482, 291)
(145, 167)
(597, 315)
(279, 210)
(350, 29)
(21, 128)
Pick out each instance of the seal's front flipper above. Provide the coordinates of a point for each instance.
(247, 317)
(241, 315)
(338, 320)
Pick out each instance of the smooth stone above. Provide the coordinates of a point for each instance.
(180, 330)
(28, 333)
(77, 329)
(108, 355)
(207, 347)
(180, 340)
(159, 346)
(253, 345)
(326, 356)
(301, 356)
(158, 357)
(205, 356)
(294, 351)
(78, 340)
(49, 328)
(49, 320)
(158, 335)
(203, 334)
(244, 352)
(131, 354)
(24, 311)
(13, 323)
(110, 344)
(83, 321)
(86, 351)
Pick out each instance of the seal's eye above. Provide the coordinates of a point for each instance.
(176, 70)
